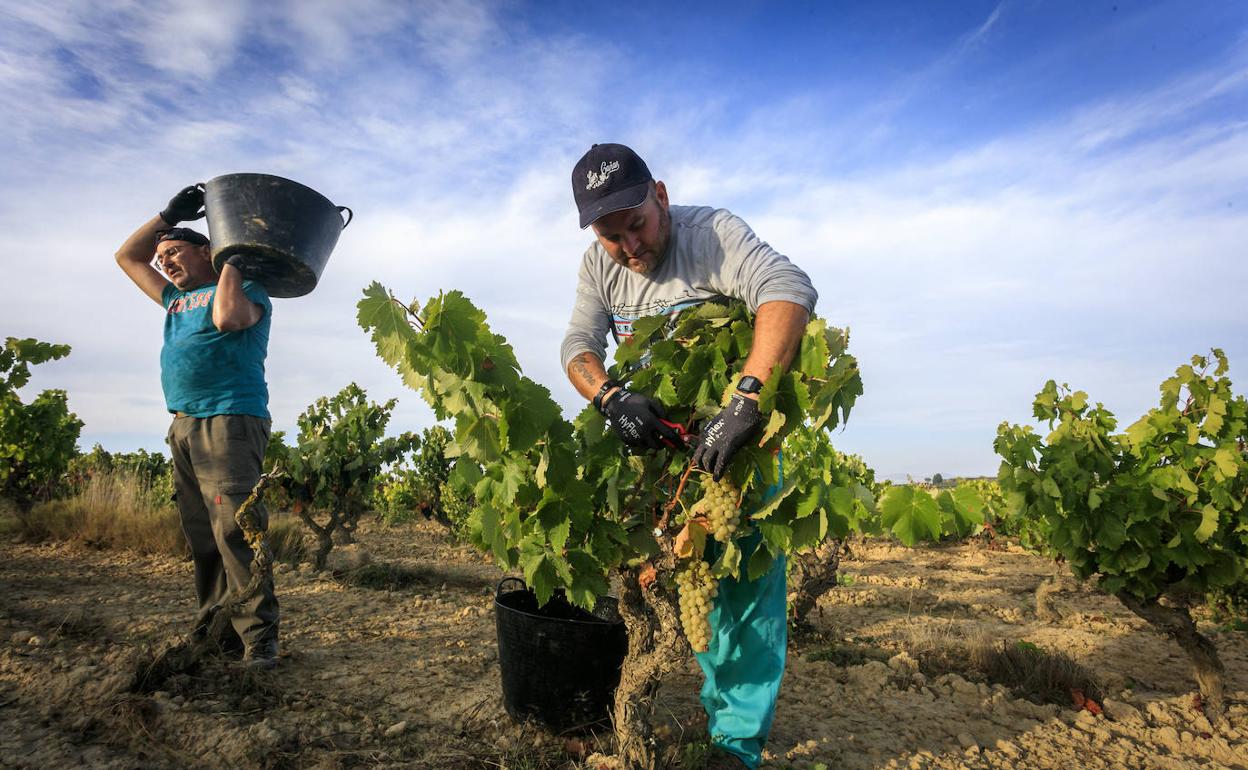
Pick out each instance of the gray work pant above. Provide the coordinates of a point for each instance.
(216, 463)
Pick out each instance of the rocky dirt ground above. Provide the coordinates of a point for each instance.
(408, 677)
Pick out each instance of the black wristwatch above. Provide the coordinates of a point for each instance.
(748, 384)
(608, 385)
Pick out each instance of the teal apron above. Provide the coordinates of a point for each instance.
(745, 660)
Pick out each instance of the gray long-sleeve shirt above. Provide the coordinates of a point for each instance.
(712, 255)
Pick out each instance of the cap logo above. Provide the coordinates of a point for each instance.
(599, 178)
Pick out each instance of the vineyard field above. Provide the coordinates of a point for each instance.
(408, 677)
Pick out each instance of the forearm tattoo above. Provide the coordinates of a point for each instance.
(581, 368)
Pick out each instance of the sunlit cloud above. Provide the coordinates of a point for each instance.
(1098, 243)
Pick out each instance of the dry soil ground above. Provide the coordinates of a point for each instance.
(409, 677)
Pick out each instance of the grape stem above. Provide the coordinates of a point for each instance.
(671, 504)
(420, 324)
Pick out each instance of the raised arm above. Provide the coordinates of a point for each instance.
(135, 259)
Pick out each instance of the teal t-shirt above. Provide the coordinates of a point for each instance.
(206, 372)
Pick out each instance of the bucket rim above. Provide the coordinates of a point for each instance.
(268, 176)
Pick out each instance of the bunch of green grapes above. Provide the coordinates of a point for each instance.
(697, 595)
(719, 503)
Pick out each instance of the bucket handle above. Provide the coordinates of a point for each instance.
(350, 215)
(499, 590)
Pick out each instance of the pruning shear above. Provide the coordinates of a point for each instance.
(686, 433)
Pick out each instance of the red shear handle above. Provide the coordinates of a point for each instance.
(682, 430)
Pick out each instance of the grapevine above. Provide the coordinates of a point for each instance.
(1155, 512)
(39, 438)
(335, 465)
(564, 504)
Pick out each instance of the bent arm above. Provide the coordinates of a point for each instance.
(135, 259)
(778, 329)
(232, 310)
(587, 374)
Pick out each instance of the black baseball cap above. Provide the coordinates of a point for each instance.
(609, 178)
(181, 234)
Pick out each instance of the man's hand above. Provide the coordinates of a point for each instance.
(185, 206)
(639, 421)
(726, 433)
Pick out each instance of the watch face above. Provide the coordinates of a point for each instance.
(750, 385)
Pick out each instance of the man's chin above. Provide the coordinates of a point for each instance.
(642, 266)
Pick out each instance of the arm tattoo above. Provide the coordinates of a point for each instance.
(579, 366)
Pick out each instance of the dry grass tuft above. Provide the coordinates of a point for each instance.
(385, 576)
(286, 538)
(1039, 675)
(117, 510)
(112, 510)
(1030, 672)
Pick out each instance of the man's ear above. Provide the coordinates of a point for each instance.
(660, 193)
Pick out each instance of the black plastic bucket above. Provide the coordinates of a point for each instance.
(560, 664)
(284, 230)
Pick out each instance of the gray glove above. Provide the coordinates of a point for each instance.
(638, 420)
(726, 433)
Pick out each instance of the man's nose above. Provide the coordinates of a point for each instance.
(631, 243)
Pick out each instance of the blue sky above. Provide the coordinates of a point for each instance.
(988, 194)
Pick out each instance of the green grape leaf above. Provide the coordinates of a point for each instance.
(809, 531)
(775, 502)
(814, 353)
(760, 562)
(911, 515)
(1209, 517)
(1226, 460)
(388, 322)
(589, 580)
(774, 424)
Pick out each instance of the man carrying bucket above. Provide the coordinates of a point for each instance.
(651, 257)
(212, 374)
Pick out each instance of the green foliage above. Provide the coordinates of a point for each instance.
(561, 501)
(1158, 506)
(37, 439)
(914, 513)
(152, 471)
(1229, 606)
(419, 488)
(340, 452)
(396, 497)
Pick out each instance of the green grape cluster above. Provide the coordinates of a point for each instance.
(697, 594)
(719, 503)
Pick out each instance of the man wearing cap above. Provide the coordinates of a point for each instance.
(212, 372)
(651, 258)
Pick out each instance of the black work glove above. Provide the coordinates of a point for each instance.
(639, 421)
(725, 434)
(185, 206)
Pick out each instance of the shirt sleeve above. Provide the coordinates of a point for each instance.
(755, 272)
(256, 292)
(166, 294)
(591, 319)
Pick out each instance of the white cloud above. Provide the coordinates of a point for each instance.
(1097, 248)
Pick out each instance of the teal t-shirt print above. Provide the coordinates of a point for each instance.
(205, 371)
